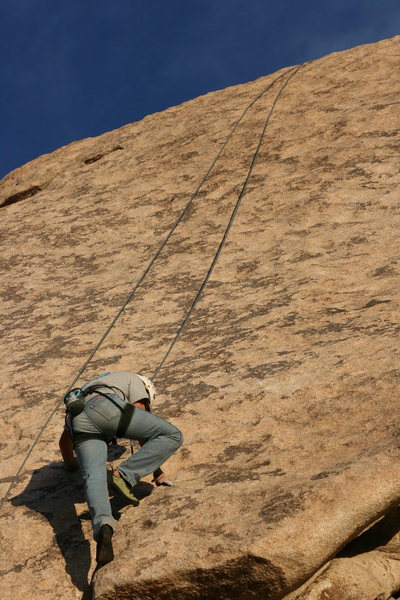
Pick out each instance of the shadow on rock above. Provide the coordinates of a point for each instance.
(53, 492)
(382, 533)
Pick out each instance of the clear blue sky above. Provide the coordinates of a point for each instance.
(78, 68)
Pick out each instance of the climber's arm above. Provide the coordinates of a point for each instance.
(67, 451)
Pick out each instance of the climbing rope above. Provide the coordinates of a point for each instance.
(292, 71)
(228, 227)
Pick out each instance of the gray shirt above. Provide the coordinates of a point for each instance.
(129, 383)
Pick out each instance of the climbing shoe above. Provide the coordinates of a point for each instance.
(104, 552)
(121, 487)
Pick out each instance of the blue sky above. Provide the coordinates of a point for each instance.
(75, 69)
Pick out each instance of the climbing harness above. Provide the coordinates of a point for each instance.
(75, 400)
(290, 72)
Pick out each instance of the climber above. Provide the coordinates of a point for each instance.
(115, 404)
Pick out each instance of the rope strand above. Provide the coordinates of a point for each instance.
(292, 71)
(227, 230)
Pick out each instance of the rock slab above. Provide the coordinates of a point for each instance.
(284, 380)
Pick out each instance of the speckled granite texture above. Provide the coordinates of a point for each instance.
(285, 380)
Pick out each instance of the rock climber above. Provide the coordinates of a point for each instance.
(114, 404)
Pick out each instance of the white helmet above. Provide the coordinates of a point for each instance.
(149, 385)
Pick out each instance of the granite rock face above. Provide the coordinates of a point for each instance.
(367, 569)
(284, 379)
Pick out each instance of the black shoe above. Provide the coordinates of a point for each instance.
(104, 552)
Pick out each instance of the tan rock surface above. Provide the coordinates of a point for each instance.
(368, 569)
(285, 379)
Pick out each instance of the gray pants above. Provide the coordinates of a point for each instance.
(161, 440)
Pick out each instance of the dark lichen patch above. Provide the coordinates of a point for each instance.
(323, 161)
(382, 133)
(289, 319)
(280, 507)
(196, 391)
(148, 524)
(217, 549)
(395, 434)
(259, 282)
(185, 453)
(321, 475)
(383, 271)
(97, 157)
(276, 473)
(189, 155)
(231, 476)
(269, 157)
(233, 451)
(92, 159)
(358, 172)
(301, 232)
(356, 240)
(263, 463)
(324, 474)
(188, 505)
(329, 328)
(372, 303)
(21, 196)
(261, 371)
(249, 266)
(330, 109)
(56, 347)
(382, 106)
(290, 160)
(13, 293)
